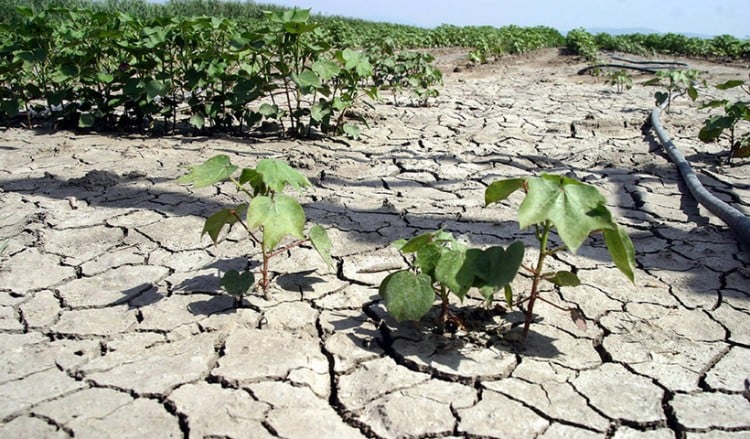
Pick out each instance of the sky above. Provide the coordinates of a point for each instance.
(704, 18)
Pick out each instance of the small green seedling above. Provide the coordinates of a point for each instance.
(620, 79)
(734, 112)
(575, 210)
(442, 265)
(678, 82)
(276, 215)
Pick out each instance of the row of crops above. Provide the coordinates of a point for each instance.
(486, 40)
(112, 71)
(208, 65)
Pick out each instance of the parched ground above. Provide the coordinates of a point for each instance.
(112, 323)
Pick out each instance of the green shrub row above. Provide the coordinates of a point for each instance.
(348, 32)
(112, 71)
(586, 44)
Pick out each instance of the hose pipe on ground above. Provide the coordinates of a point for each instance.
(738, 222)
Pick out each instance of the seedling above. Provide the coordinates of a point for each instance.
(715, 126)
(620, 79)
(678, 82)
(275, 215)
(442, 265)
(575, 210)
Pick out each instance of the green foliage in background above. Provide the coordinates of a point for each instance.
(88, 69)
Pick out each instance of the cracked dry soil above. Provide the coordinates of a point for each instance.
(112, 323)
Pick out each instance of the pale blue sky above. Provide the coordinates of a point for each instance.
(704, 17)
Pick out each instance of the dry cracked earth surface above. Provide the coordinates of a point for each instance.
(112, 323)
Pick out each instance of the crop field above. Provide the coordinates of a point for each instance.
(136, 67)
(222, 219)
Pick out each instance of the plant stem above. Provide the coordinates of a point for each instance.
(264, 271)
(543, 239)
(287, 247)
(443, 304)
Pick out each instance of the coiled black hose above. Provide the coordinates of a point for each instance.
(736, 220)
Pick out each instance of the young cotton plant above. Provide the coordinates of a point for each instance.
(677, 82)
(620, 79)
(725, 126)
(441, 266)
(573, 209)
(275, 215)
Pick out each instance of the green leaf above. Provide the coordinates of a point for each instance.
(716, 103)
(399, 243)
(268, 110)
(155, 88)
(326, 69)
(621, 251)
(277, 174)
(500, 190)
(279, 217)
(355, 61)
(105, 77)
(565, 279)
(86, 120)
(216, 222)
(407, 296)
(252, 176)
(351, 130)
(488, 293)
(692, 93)
(454, 273)
(497, 267)
(236, 283)
(714, 126)
(416, 243)
(320, 111)
(321, 243)
(574, 208)
(307, 81)
(214, 170)
(66, 72)
(428, 257)
(732, 83)
(509, 296)
(197, 121)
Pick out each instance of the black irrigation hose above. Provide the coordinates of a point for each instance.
(736, 220)
(665, 63)
(617, 66)
(668, 65)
